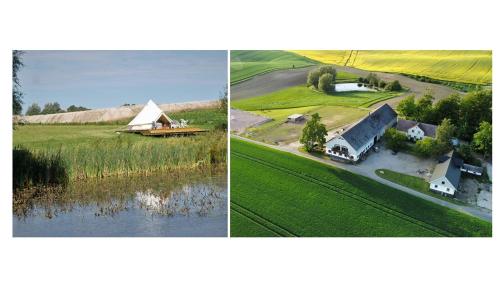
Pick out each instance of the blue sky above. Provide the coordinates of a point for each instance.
(98, 79)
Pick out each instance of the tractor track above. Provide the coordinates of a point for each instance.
(256, 218)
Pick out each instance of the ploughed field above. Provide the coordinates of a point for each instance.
(458, 66)
(274, 193)
(246, 64)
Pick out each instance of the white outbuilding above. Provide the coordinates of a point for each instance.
(416, 130)
(151, 117)
(446, 177)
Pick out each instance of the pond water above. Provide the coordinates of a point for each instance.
(349, 87)
(187, 206)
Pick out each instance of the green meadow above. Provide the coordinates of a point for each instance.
(246, 64)
(302, 96)
(49, 154)
(274, 193)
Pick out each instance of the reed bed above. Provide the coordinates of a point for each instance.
(100, 152)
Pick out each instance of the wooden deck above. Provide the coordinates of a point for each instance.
(170, 132)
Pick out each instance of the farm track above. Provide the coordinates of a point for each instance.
(351, 195)
(258, 219)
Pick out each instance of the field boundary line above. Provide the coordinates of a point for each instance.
(256, 222)
(353, 196)
(255, 217)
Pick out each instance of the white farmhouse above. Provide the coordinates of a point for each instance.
(415, 130)
(354, 142)
(446, 177)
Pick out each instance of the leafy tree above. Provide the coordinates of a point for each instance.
(326, 83)
(394, 86)
(34, 109)
(17, 95)
(448, 107)
(407, 107)
(424, 111)
(465, 152)
(427, 147)
(52, 107)
(474, 109)
(372, 79)
(444, 133)
(313, 78)
(313, 133)
(482, 139)
(394, 139)
(328, 69)
(382, 84)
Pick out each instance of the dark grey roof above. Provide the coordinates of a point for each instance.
(366, 129)
(473, 168)
(404, 125)
(449, 168)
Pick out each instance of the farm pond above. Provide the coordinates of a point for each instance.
(192, 205)
(352, 87)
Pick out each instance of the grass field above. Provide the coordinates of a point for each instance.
(301, 96)
(412, 182)
(94, 151)
(459, 66)
(279, 194)
(246, 64)
(277, 131)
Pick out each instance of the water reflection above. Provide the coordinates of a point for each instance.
(349, 87)
(139, 206)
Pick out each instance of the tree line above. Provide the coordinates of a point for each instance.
(372, 81)
(466, 112)
(51, 108)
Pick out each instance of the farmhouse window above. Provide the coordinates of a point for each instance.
(442, 182)
(435, 185)
(413, 131)
(447, 189)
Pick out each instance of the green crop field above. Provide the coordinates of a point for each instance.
(458, 66)
(246, 64)
(300, 96)
(94, 151)
(280, 194)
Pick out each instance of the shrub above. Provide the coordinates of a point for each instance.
(394, 86)
(313, 78)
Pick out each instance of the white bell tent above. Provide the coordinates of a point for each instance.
(150, 117)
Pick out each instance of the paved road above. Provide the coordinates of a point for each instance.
(476, 212)
(277, 80)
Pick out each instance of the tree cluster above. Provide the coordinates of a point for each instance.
(322, 79)
(445, 132)
(395, 140)
(372, 81)
(17, 95)
(51, 108)
(466, 113)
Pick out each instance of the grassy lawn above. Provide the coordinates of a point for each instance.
(95, 151)
(412, 182)
(301, 96)
(459, 66)
(277, 130)
(246, 64)
(289, 195)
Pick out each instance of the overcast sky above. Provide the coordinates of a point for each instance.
(98, 79)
